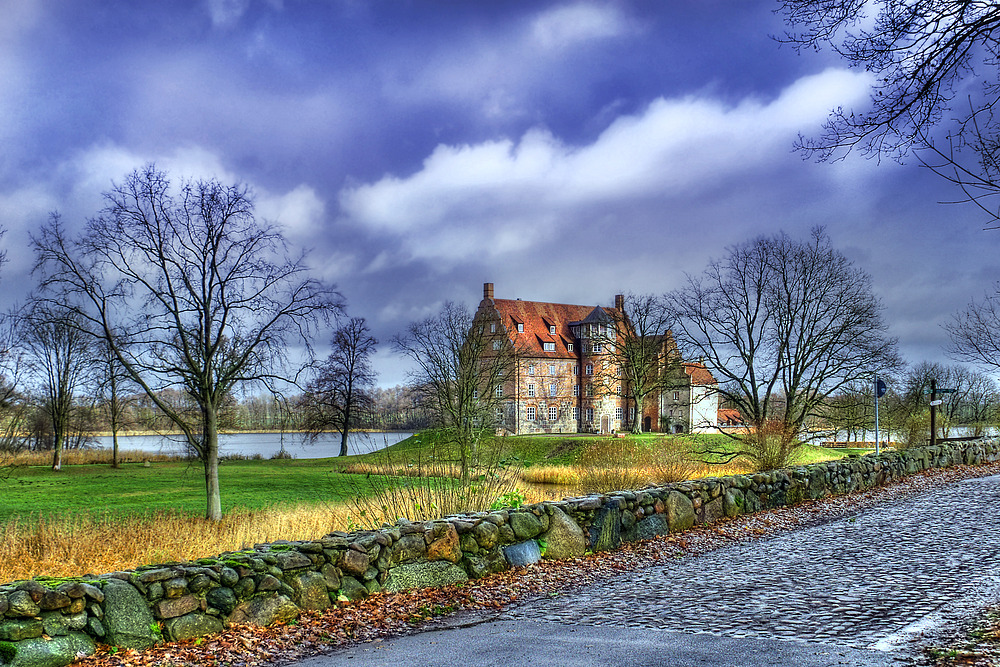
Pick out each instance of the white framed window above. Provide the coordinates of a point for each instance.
(499, 390)
(576, 390)
(677, 396)
(531, 413)
(576, 370)
(493, 327)
(553, 413)
(552, 369)
(576, 412)
(549, 347)
(531, 390)
(569, 347)
(590, 369)
(520, 327)
(475, 394)
(590, 414)
(596, 348)
(499, 415)
(619, 413)
(552, 329)
(631, 413)
(531, 369)
(552, 389)
(590, 389)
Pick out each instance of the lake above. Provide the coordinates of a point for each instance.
(265, 444)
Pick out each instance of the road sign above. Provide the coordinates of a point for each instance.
(880, 389)
(937, 402)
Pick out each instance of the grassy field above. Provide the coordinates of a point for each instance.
(175, 485)
(92, 518)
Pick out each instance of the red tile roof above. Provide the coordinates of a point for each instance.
(729, 417)
(698, 373)
(537, 317)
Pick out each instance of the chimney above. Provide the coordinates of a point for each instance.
(487, 290)
(620, 301)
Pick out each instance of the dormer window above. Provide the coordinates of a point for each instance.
(569, 347)
(552, 329)
(549, 347)
(520, 327)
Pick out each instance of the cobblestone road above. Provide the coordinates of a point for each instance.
(874, 581)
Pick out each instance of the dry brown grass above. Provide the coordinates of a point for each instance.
(612, 465)
(562, 475)
(72, 457)
(73, 545)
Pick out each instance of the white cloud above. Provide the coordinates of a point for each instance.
(499, 197)
(227, 13)
(300, 212)
(497, 72)
(569, 25)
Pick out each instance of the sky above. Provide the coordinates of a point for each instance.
(564, 151)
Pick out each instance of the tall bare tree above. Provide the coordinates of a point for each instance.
(933, 62)
(638, 346)
(113, 385)
(60, 357)
(342, 387)
(191, 292)
(783, 324)
(460, 372)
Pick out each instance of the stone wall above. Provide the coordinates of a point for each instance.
(47, 622)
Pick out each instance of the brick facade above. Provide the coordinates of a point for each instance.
(565, 383)
(560, 383)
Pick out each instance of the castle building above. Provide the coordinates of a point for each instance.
(565, 378)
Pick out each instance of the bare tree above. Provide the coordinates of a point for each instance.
(60, 356)
(783, 324)
(461, 370)
(342, 387)
(191, 292)
(922, 55)
(113, 385)
(638, 345)
(851, 410)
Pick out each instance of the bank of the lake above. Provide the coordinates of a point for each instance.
(265, 445)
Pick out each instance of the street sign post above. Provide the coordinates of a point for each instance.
(880, 390)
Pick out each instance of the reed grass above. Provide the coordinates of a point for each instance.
(72, 457)
(76, 544)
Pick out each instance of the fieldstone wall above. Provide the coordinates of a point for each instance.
(47, 622)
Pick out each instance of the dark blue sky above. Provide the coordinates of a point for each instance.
(563, 151)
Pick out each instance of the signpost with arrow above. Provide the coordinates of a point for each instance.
(935, 402)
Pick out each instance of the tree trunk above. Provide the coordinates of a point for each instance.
(637, 420)
(114, 433)
(57, 448)
(210, 457)
(345, 427)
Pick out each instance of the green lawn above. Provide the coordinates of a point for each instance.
(134, 489)
(558, 449)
